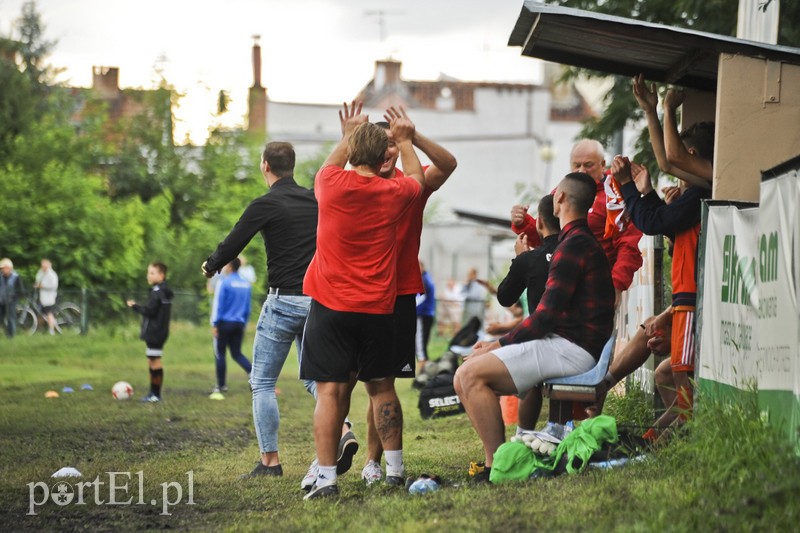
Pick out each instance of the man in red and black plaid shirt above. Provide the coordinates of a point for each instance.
(563, 337)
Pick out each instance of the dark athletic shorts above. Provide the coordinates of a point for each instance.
(404, 357)
(48, 309)
(337, 343)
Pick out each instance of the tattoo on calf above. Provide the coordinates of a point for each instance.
(390, 419)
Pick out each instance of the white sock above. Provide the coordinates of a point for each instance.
(394, 463)
(326, 475)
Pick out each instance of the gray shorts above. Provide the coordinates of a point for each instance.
(532, 363)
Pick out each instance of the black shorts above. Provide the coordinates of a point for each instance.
(404, 357)
(338, 343)
(48, 309)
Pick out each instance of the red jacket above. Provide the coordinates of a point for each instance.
(621, 247)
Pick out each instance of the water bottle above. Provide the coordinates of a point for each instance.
(422, 485)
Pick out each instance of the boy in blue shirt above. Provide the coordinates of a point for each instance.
(229, 317)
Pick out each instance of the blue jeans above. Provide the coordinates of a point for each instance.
(281, 321)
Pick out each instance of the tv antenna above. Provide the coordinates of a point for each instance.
(381, 15)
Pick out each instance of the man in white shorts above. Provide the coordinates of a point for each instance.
(563, 337)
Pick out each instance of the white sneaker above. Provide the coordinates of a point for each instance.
(311, 477)
(371, 473)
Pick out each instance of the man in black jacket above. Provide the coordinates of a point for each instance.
(286, 217)
(529, 271)
(155, 325)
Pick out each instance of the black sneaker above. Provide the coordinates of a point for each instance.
(322, 492)
(348, 446)
(395, 481)
(482, 476)
(479, 473)
(261, 470)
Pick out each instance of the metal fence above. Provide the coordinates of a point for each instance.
(103, 306)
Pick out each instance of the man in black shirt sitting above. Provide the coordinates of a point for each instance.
(529, 271)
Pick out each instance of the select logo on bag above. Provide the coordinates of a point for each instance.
(447, 401)
(439, 398)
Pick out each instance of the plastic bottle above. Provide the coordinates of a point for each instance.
(422, 485)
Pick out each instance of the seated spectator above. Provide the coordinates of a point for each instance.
(564, 336)
(529, 272)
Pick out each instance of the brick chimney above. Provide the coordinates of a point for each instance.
(387, 73)
(105, 80)
(257, 97)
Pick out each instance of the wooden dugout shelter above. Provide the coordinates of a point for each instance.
(751, 90)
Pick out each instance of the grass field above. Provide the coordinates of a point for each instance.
(729, 473)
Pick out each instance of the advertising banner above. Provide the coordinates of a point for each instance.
(778, 323)
(728, 343)
(750, 320)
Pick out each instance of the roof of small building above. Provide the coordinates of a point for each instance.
(624, 46)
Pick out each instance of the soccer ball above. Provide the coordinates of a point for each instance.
(122, 390)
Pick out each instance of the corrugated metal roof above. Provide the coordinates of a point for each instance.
(627, 47)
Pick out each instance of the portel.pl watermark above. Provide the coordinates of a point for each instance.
(120, 488)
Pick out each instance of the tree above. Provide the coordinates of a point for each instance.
(23, 88)
(34, 48)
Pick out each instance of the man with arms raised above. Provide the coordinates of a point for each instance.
(409, 280)
(352, 280)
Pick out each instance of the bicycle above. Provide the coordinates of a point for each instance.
(67, 315)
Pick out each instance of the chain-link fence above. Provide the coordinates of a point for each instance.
(104, 306)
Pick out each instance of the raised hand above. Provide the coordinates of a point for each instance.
(521, 244)
(671, 194)
(621, 169)
(641, 177)
(351, 117)
(401, 126)
(674, 99)
(646, 97)
(518, 213)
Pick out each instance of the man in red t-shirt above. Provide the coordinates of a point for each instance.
(353, 285)
(409, 279)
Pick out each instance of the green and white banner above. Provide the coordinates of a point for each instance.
(779, 327)
(750, 328)
(728, 343)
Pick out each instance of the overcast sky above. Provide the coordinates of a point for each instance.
(313, 50)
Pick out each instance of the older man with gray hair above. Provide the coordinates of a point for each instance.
(608, 220)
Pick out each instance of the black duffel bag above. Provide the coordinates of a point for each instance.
(438, 398)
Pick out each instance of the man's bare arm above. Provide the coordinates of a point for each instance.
(677, 154)
(647, 97)
(403, 132)
(443, 163)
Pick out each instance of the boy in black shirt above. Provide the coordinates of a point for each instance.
(155, 325)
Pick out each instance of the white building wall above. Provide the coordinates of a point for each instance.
(497, 145)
